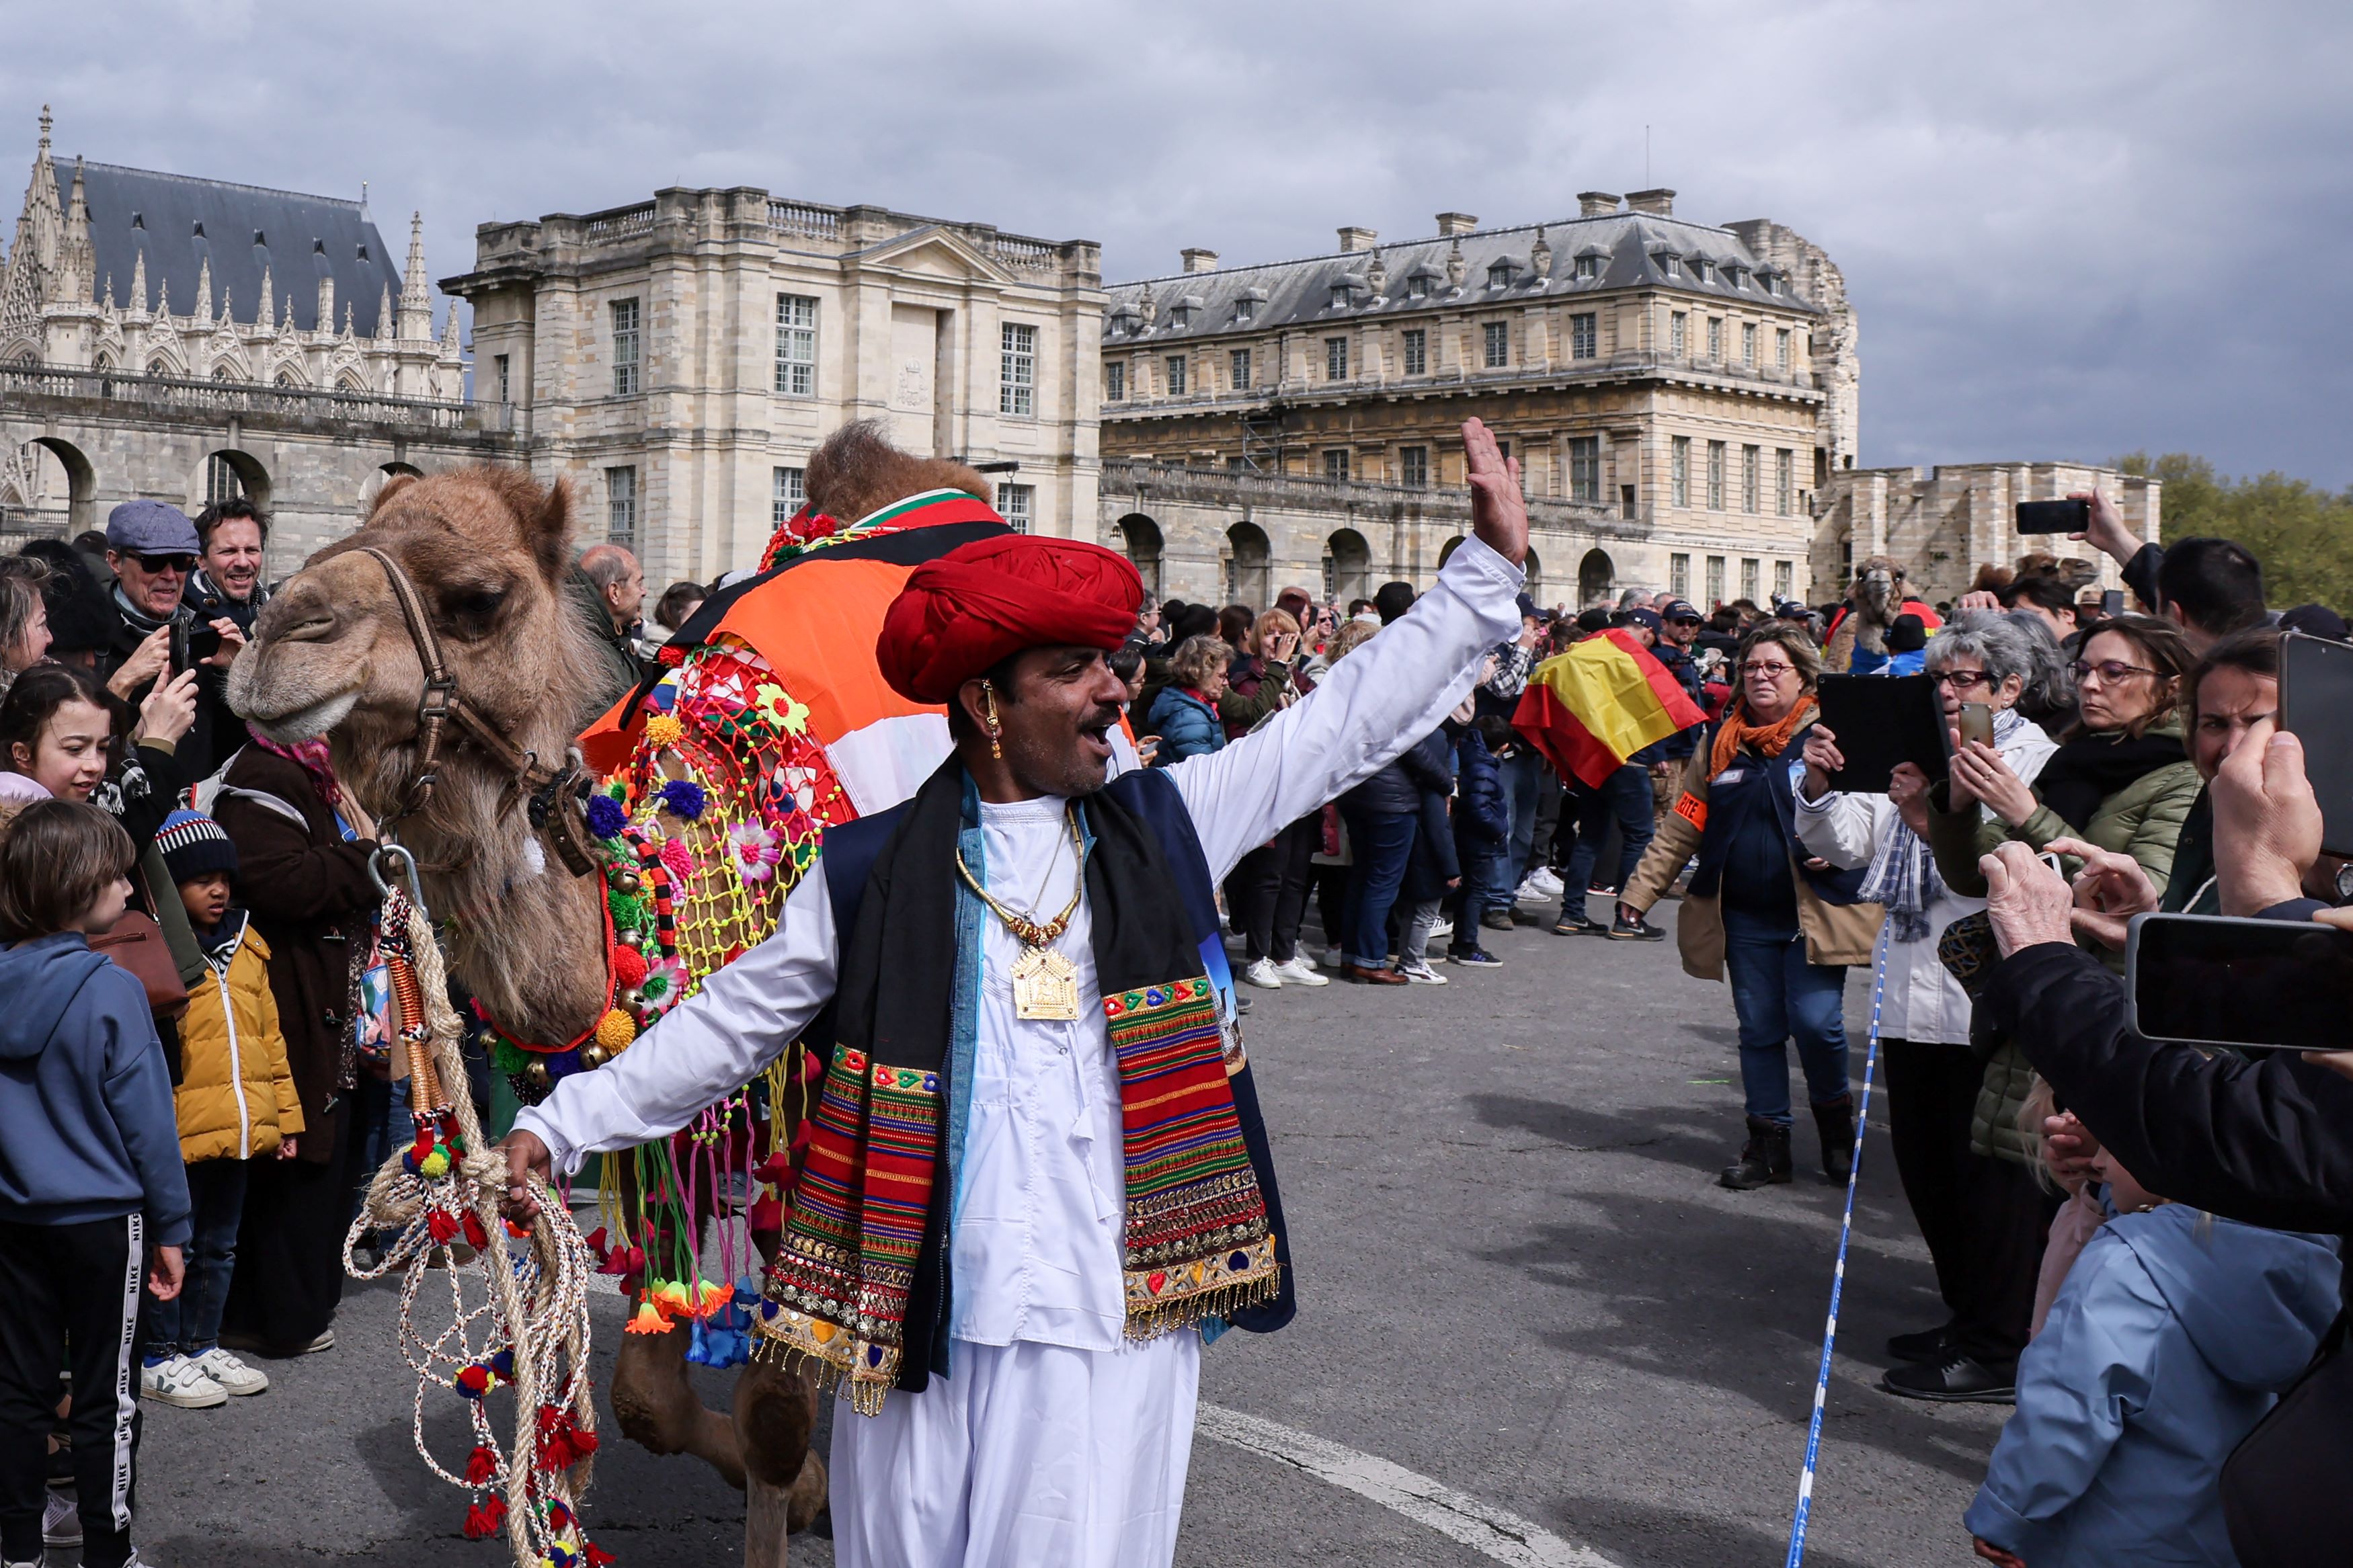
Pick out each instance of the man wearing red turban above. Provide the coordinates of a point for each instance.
(1038, 1182)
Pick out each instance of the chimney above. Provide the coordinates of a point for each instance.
(1198, 259)
(1355, 239)
(1660, 202)
(1453, 224)
(1596, 204)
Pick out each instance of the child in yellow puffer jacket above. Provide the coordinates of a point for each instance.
(234, 1102)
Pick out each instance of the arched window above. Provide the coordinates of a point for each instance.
(1348, 566)
(222, 372)
(1247, 565)
(1595, 576)
(1140, 539)
(285, 378)
(157, 367)
(349, 382)
(1534, 586)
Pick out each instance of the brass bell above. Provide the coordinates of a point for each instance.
(593, 1056)
(537, 1075)
(626, 881)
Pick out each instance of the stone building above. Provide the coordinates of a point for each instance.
(189, 340)
(1677, 395)
(1943, 524)
(679, 358)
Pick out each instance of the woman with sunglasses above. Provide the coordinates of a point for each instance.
(1983, 1218)
(1762, 910)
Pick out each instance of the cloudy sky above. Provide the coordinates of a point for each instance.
(2069, 231)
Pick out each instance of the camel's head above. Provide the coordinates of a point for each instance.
(490, 554)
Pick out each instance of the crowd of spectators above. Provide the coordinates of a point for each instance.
(2135, 1242)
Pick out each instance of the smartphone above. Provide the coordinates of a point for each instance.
(1975, 723)
(2195, 978)
(2112, 603)
(192, 642)
(2053, 516)
(2315, 703)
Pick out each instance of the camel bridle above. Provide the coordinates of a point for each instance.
(554, 793)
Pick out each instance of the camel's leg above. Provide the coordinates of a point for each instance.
(775, 1410)
(658, 1409)
(653, 1403)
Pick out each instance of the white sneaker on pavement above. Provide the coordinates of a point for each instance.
(60, 1521)
(1548, 883)
(1334, 958)
(1441, 931)
(1263, 975)
(1421, 973)
(235, 1378)
(181, 1382)
(1299, 972)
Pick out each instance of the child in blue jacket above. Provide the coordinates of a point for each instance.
(89, 1174)
(2175, 1333)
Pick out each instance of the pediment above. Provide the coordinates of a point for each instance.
(935, 252)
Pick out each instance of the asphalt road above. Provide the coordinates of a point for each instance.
(1517, 1279)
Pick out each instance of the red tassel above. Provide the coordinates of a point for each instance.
(481, 1465)
(486, 1517)
(768, 1214)
(476, 1235)
(595, 1240)
(584, 1442)
(597, 1556)
(441, 1224)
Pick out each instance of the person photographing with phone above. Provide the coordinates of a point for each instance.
(1982, 1214)
(153, 548)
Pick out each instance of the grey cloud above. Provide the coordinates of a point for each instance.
(2069, 231)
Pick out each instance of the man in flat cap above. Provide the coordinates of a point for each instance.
(1037, 1181)
(152, 548)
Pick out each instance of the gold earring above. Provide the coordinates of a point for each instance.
(996, 729)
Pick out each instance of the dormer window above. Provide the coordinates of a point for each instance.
(1245, 309)
(1182, 316)
(1672, 265)
(1707, 270)
(1339, 295)
(1500, 275)
(1417, 285)
(1587, 268)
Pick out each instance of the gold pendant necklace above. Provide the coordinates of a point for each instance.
(1045, 984)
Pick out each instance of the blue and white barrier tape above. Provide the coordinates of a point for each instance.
(1838, 1277)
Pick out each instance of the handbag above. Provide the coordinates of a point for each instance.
(165, 959)
(2283, 1495)
(137, 944)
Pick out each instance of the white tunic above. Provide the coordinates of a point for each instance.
(1037, 1237)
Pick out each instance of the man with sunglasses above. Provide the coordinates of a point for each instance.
(152, 548)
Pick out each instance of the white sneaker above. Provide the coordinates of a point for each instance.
(1263, 975)
(1441, 931)
(1548, 883)
(181, 1382)
(60, 1521)
(235, 1377)
(1299, 972)
(1334, 958)
(1421, 973)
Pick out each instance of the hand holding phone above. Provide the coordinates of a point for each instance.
(2070, 516)
(1975, 723)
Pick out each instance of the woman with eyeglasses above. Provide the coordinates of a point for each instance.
(1755, 913)
(2123, 781)
(1982, 1218)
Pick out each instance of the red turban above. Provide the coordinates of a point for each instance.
(982, 603)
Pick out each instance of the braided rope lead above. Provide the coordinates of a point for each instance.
(1838, 1276)
(535, 1303)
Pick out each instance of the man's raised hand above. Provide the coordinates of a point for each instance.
(1499, 513)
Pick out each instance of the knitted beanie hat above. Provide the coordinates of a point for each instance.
(193, 846)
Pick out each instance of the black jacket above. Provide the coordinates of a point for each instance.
(1397, 788)
(2267, 1142)
(200, 751)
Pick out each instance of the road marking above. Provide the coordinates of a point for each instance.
(1484, 1528)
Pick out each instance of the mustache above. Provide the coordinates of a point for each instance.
(1105, 715)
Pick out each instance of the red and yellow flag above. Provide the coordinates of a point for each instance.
(1589, 709)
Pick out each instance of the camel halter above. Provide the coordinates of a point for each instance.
(554, 793)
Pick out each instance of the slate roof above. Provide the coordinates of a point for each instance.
(1633, 249)
(179, 222)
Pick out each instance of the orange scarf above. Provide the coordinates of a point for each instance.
(1767, 739)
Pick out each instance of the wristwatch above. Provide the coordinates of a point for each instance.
(2344, 883)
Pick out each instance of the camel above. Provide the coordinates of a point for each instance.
(489, 551)
(1876, 598)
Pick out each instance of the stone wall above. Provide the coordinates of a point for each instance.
(79, 443)
(1943, 523)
